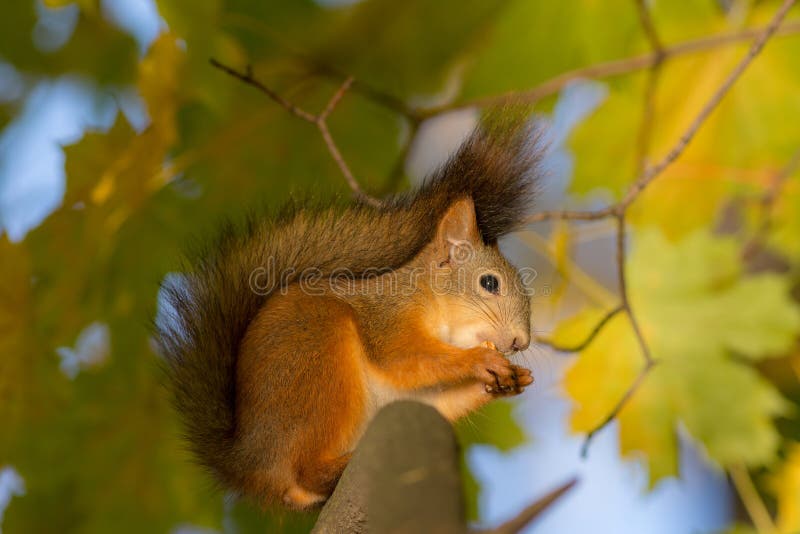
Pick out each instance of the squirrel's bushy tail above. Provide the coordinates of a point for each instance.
(206, 311)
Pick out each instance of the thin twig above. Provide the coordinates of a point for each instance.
(623, 289)
(709, 107)
(637, 382)
(648, 27)
(247, 77)
(645, 135)
(751, 500)
(586, 342)
(572, 215)
(606, 69)
(532, 511)
(343, 167)
(643, 346)
(652, 172)
(334, 101)
(320, 121)
(387, 100)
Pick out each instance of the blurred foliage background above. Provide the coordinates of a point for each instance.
(87, 437)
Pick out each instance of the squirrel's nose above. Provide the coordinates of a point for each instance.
(520, 343)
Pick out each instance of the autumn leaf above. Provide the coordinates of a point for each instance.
(703, 318)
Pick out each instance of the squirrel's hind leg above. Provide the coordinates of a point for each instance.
(315, 482)
(302, 393)
(298, 498)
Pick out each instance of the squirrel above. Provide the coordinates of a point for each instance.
(289, 332)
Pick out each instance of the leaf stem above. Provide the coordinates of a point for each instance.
(756, 509)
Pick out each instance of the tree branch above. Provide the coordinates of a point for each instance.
(532, 511)
(615, 67)
(637, 382)
(653, 172)
(648, 117)
(709, 107)
(320, 121)
(755, 507)
(404, 477)
(247, 77)
(623, 289)
(593, 334)
(649, 29)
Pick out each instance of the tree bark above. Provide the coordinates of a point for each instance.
(403, 477)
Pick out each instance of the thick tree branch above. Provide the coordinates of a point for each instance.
(404, 477)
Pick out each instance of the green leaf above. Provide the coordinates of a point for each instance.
(697, 311)
(529, 42)
(493, 424)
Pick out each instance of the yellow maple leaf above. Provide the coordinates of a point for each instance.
(696, 308)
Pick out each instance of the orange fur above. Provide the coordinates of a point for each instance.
(314, 367)
(299, 350)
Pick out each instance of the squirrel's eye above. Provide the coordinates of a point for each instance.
(490, 283)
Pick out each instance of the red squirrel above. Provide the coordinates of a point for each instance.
(289, 333)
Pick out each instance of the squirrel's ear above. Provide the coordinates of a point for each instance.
(457, 226)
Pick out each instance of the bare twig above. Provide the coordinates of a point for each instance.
(247, 77)
(532, 511)
(710, 106)
(586, 342)
(648, 117)
(572, 215)
(652, 172)
(751, 500)
(623, 289)
(637, 382)
(644, 347)
(334, 100)
(320, 121)
(607, 69)
(649, 28)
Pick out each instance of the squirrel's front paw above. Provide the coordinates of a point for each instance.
(499, 375)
